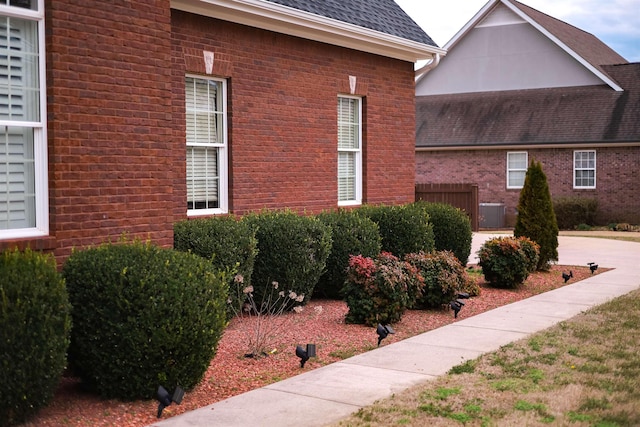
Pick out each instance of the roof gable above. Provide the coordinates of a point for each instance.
(554, 53)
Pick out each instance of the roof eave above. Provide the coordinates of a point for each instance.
(286, 20)
(530, 145)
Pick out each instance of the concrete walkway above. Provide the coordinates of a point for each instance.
(326, 395)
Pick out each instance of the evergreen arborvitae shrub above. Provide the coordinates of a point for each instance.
(574, 211)
(352, 234)
(230, 245)
(143, 316)
(404, 229)
(451, 229)
(292, 251)
(443, 276)
(536, 218)
(35, 322)
(506, 262)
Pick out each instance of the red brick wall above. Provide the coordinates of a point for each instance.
(283, 106)
(617, 176)
(116, 135)
(109, 106)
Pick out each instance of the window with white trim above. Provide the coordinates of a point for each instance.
(349, 150)
(206, 124)
(584, 169)
(24, 203)
(517, 162)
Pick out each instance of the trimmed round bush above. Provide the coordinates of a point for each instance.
(352, 234)
(451, 229)
(443, 276)
(230, 245)
(143, 316)
(35, 322)
(380, 290)
(292, 251)
(404, 229)
(507, 261)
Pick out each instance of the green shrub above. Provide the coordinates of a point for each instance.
(443, 276)
(451, 229)
(352, 234)
(404, 229)
(143, 317)
(228, 243)
(507, 261)
(573, 211)
(292, 250)
(536, 218)
(34, 333)
(380, 290)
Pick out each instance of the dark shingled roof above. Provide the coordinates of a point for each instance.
(384, 16)
(596, 114)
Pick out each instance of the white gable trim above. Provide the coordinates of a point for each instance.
(482, 13)
(286, 20)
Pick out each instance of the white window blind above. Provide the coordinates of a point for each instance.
(23, 186)
(584, 169)
(517, 164)
(349, 151)
(206, 145)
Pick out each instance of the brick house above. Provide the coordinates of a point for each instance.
(125, 117)
(517, 84)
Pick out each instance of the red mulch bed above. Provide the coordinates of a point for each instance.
(321, 323)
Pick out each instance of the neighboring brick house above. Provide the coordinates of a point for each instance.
(124, 117)
(517, 84)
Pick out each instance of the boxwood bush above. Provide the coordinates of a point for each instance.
(292, 251)
(352, 234)
(507, 261)
(404, 229)
(379, 290)
(143, 316)
(35, 322)
(230, 245)
(573, 211)
(443, 276)
(451, 229)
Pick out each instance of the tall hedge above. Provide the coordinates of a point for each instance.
(292, 250)
(451, 229)
(352, 234)
(35, 322)
(228, 243)
(404, 229)
(536, 218)
(143, 316)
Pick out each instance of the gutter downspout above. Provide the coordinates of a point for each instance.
(435, 60)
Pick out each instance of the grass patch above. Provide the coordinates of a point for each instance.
(584, 371)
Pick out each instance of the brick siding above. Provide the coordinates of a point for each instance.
(116, 125)
(616, 189)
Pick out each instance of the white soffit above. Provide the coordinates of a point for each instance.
(286, 20)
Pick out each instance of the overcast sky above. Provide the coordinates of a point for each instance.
(615, 22)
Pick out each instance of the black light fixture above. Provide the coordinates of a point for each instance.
(463, 295)
(592, 266)
(566, 276)
(165, 398)
(383, 331)
(456, 305)
(304, 355)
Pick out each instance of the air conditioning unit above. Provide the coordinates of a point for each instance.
(492, 215)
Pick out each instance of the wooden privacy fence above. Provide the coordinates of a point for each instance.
(463, 196)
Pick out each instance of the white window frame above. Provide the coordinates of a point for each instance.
(223, 180)
(511, 169)
(578, 168)
(357, 199)
(40, 167)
